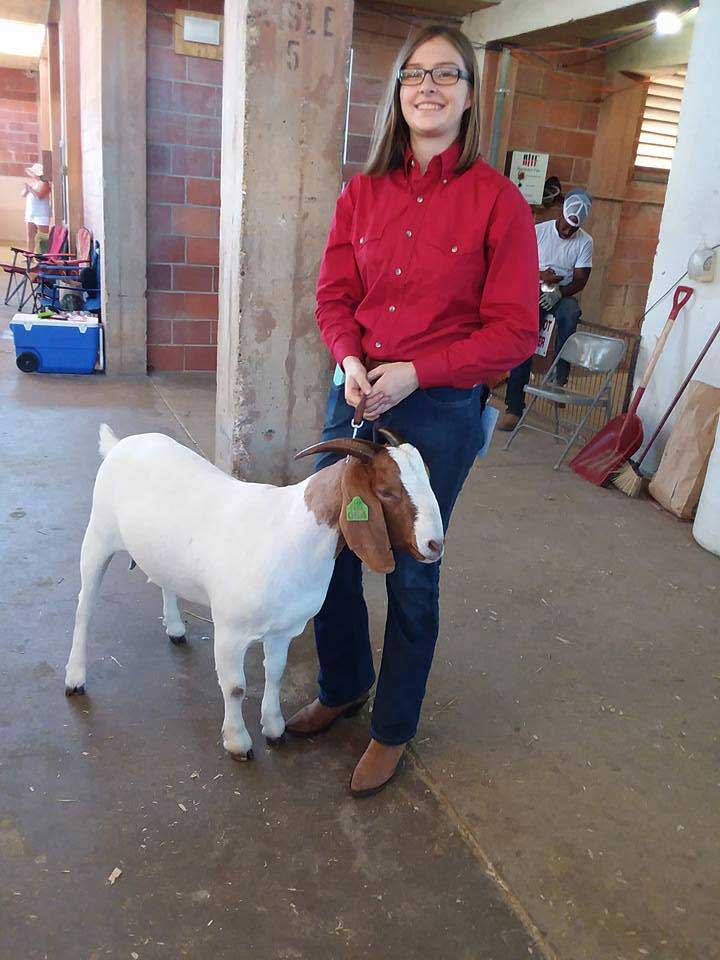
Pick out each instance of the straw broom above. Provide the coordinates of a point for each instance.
(628, 479)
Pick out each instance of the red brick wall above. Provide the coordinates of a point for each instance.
(183, 162)
(18, 122)
(376, 41)
(629, 271)
(555, 110)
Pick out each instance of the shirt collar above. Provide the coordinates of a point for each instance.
(447, 159)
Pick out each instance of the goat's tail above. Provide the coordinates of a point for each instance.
(107, 440)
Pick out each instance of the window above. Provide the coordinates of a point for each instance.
(658, 133)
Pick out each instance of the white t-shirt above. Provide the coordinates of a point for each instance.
(562, 256)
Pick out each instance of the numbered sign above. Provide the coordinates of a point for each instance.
(546, 329)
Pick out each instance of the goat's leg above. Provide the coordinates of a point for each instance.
(174, 626)
(230, 649)
(95, 556)
(273, 723)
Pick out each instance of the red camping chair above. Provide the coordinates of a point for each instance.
(63, 269)
(62, 273)
(83, 251)
(19, 278)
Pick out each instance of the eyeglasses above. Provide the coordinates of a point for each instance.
(442, 76)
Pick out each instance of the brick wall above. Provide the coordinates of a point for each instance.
(628, 274)
(18, 122)
(555, 110)
(183, 159)
(376, 41)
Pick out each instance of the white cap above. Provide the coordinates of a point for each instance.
(36, 170)
(576, 207)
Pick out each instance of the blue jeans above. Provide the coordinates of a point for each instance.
(444, 424)
(567, 312)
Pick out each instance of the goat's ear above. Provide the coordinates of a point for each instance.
(368, 538)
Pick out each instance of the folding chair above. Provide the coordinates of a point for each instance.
(63, 268)
(85, 285)
(593, 353)
(19, 276)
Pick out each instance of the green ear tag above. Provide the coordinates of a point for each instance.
(356, 509)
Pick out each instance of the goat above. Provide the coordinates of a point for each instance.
(261, 557)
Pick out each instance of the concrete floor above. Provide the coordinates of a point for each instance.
(562, 797)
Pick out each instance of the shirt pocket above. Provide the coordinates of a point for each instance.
(368, 248)
(459, 256)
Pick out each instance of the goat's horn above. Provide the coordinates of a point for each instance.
(392, 438)
(362, 449)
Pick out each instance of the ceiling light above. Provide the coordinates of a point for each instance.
(21, 39)
(667, 22)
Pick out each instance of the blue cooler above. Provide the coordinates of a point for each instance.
(54, 345)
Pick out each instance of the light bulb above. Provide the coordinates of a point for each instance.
(667, 22)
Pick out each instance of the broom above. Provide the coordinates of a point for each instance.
(628, 479)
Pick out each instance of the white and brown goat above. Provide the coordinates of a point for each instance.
(261, 557)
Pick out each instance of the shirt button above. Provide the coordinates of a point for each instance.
(362, 240)
(419, 199)
(398, 271)
(445, 180)
(378, 345)
(412, 163)
(453, 248)
(408, 233)
(391, 308)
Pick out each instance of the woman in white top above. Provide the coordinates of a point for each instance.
(37, 203)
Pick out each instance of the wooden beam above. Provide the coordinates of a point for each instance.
(618, 128)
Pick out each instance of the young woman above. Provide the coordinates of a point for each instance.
(37, 203)
(427, 288)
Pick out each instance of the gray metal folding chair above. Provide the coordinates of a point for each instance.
(593, 353)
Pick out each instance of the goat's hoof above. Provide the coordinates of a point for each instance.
(177, 640)
(275, 741)
(243, 757)
(72, 691)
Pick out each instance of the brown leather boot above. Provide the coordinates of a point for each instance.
(315, 717)
(375, 769)
(508, 421)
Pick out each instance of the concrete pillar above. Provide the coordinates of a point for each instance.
(691, 214)
(70, 83)
(284, 102)
(53, 44)
(124, 188)
(113, 56)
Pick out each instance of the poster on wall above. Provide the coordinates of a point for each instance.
(527, 170)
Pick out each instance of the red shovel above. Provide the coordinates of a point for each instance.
(618, 440)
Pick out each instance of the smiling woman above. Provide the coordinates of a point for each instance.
(449, 67)
(427, 287)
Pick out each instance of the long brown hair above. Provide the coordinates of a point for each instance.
(391, 136)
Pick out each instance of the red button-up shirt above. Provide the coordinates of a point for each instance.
(437, 268)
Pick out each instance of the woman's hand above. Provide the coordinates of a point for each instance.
(357, 384)
(392, 382)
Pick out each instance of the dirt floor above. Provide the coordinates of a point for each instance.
(561, 798)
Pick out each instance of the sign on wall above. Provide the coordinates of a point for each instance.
(198, 34)
(527, 170)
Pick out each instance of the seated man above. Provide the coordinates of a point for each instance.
(565, 255)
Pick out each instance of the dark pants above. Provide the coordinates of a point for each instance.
(444, 424)
(567, 313)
